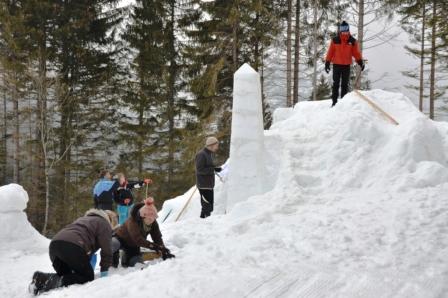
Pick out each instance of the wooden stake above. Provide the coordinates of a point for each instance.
(376, 107)
(186, 204)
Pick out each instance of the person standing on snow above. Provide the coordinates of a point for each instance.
(124, 197)
(205, 175)
(71, 248)
(104, 190)
(131, 236)
(342, 48)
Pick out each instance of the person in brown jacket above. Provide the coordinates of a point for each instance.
(132, 235)
(71, 248)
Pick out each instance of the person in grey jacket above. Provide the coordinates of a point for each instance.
(71, 248)
(205, 175)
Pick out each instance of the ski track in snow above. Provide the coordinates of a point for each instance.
(357, 208)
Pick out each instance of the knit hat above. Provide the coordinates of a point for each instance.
(211, 141)
(149, 210)
(344, 27)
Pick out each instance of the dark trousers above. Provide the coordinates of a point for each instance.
(71, 262)
(104, 206)
(341, 77)
(206, 202)
(131, 254)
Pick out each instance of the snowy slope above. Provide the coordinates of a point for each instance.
(357, 208)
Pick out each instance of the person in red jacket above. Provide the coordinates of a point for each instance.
(342, 48)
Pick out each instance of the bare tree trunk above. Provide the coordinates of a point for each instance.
(47, 197)
(171, 94)
(262, 70)
(288, 55)
(360, 35)
(5, 133)
(15, 99)
(422, 59)
(433, 62)
(140, 143)
(315, 11)
(295, 96)
(235, 28)
(41, 82)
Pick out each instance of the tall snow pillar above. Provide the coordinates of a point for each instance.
(246, 161)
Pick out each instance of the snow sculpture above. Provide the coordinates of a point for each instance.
(17, 232)
(246, 162)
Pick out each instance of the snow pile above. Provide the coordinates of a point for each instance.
(355, 207)
(16, 232)
(22, 249)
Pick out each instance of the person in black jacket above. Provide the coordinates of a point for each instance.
(124, 198)
(104, 190)
(71, 248)
(205, 175)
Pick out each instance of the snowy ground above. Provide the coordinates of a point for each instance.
(357, 208)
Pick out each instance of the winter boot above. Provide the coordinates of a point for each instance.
(44, 282)
(41, 282)
(124, 259)
(53, 282)
(116, 259)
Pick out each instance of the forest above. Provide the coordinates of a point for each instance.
(137, 86)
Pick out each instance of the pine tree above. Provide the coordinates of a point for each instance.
(13, 41)
(82, 59)
(222, 36)
(423, 21)
(323, 90)
(297, 34)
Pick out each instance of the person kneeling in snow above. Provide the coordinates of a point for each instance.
(124, 197)
(133, 233)
(71, 248)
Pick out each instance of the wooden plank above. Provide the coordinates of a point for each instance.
(186, 204)
(376, 107)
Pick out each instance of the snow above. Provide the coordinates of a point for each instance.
(13, 198)
(247, 139)
(354, 207)
(17, 232)
(21, 246)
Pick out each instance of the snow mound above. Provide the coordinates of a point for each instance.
(16, 232)
(355, 207)
(360, 149)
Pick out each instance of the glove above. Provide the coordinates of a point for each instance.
(361, 64)
(104, 273)
(218, 169)
(154, 247)
(327, 66)
(166, 254)
(127, 201)
(147, 181)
